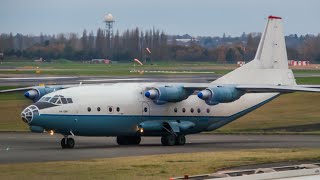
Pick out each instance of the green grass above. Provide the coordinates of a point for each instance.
(308, 80)
(155, 166)
(66, 67)
(288, 110)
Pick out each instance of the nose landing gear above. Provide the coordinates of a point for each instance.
(67, 143)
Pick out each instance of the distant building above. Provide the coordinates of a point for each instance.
(298, 63)
(38, 60)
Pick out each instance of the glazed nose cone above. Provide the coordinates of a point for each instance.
(29, 113)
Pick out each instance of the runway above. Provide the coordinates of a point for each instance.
(19, 80)
(32, 147)
(34, 80)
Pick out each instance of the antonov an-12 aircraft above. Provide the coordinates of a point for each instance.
(170, 110)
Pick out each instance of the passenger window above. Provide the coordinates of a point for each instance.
(208, 110)
(118, 109)
(175, 109)
(191, 110)
(110, 109)
(53, 100)
(89, 109)
(69, 100)
(184, 110)
(199, 110)
(145, 109)
(64, 101)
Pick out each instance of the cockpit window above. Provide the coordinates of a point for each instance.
(46, 99)
(64, 101)
(69, 100)
(54, 100)
(57, 99)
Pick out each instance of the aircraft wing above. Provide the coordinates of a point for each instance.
(246, 88)
(271, 88)
(32, 87)
(16, 89)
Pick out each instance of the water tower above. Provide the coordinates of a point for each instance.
(109, 20)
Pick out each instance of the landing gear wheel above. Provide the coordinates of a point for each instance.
(63, 143)
(136, 140)
(180, 139)
(168, 140)
(67, 144)
(70, 143)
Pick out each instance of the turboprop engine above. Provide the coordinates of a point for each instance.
(216, 95)
(36, 93)
(162, 95)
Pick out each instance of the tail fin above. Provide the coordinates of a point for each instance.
(270, 65)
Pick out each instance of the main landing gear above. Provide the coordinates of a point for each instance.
(172, 139)
(128, 140)
(67, 143)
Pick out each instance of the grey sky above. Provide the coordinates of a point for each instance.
(195, 17)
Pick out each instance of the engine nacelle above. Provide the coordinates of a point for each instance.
(216, 95)
(36, 93)
(166, 94)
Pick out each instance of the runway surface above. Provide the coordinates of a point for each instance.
(34, 80)
(32, 147)
(15, 80)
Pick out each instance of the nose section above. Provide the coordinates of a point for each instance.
(29, 113)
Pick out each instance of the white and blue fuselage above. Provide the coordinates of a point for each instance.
(119, 110)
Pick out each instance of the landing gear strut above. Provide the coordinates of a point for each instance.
(128, 140)
(67, 143)
(171, 139)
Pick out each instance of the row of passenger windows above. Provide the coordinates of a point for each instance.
(191, 110)
(57, 99)
(110, 109)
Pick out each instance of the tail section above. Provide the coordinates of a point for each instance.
(272, 51)
(270, 65)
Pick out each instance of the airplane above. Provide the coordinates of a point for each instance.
(129, 111)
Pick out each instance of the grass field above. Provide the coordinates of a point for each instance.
(64, 67)
(155, 166)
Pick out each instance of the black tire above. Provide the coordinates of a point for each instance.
(163, 141)
(70, 143)
(180, 139)
(136, 140)
(168, 140)
(63, 143)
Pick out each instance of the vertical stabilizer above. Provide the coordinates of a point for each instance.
(270, 65)
(272, 48)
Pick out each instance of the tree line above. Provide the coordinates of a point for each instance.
(132, 44)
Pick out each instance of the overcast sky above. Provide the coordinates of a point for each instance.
(195, 17)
